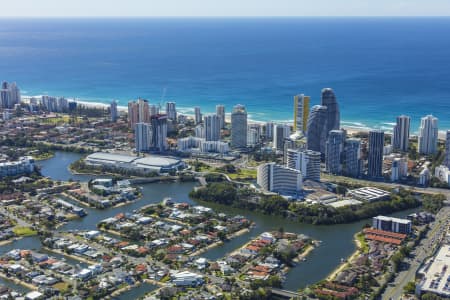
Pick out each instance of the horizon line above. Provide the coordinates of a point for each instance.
(230, 17)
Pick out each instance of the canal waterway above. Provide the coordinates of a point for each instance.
(336, 240)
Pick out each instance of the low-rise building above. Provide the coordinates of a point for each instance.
(443, 174)
(392, 224)
(279, 179)
(24, 165)
(370, 194)
(436, 275)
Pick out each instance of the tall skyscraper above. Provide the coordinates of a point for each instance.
(9, 95)
(400, 135)
(144, 112)
(254, 134)
(200, 131)
(306, 161)
(171, 111)
(15, 94)
(212, 127)
(428, 135)
(113, 111)
(5, 95)
(268, 130)
(159, 132)
(252, 137)
(352, 157)
(333, 114)
(301, 113)
(317, 129)
(376, 146)
(220, 111)
(154, 110)
(138, 112)
(447, 149)
(143, 137)
(133, 114)
(280, 133)
(198, 115)
(239, 127)
(334, 149)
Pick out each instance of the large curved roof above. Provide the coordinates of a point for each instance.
(157, 161)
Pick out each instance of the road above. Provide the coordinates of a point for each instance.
(388, 185)
(425, 249)
(19, 221)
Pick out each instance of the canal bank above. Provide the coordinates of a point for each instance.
(336, 241)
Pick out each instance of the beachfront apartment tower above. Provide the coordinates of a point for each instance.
(159, 132)
(306, 161)
(239, 127)
(268, 130)
(143, 137)
(375, 159)
(428, 135)
(9, 95)
(220, 111)
(171, 111)
(198, 115)
(316, 132)
(333, 114)
(113, 111)
(154, 110)
(138, 112)
(447, 149)
(334, 149)
(254, 134)
(352, 158)
(280, 133)
(400, 135)
(301, 113)
(212, 127)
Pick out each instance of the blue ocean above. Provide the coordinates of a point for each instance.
(378, 67)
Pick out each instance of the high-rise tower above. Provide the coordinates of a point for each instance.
(400, 135)
(376, 147)
(334, 148)
(171, 111)
(333, 114)
(220, 111)
(239, 127)
(317, 129)
(113, 111)
(212, 127)
(428, 135)
(301, 113)
(447, 149)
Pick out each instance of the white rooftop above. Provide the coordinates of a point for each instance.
(437, 275)
(159, 161)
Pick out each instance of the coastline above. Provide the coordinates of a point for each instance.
(350, 126)
(347, 261)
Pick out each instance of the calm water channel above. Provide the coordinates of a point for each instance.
(337, 240)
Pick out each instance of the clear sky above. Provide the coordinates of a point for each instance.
(205, 8)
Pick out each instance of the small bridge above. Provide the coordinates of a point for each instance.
(285, 294)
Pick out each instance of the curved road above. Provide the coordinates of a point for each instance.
(424, 250)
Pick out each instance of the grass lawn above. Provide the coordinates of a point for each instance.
(362, 242)
(24, 231)
(243, 174)
(61, 286)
